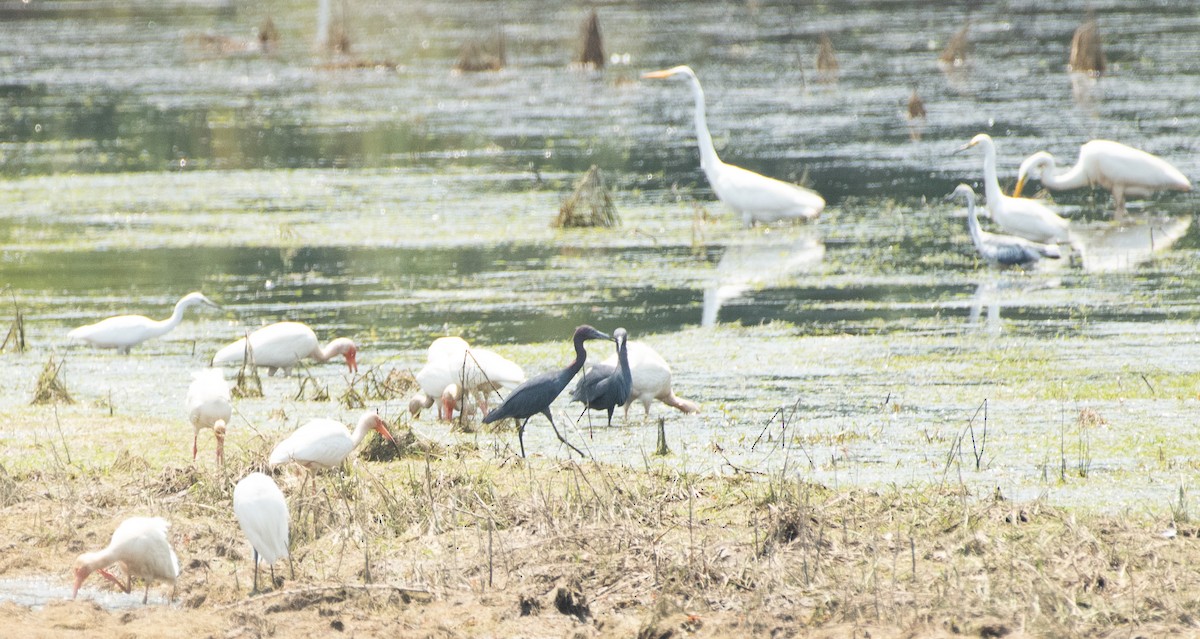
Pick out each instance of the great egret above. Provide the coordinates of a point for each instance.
(140, 545)
(606, 387)
(1023, 217)
(452, 362)
(535, 395)
(123, 332)
(324, 443)
(1121, 169)
(209, 405)
(757, 198)
(651, 379)
(262, 513)
(283, 345)
(1001, 250)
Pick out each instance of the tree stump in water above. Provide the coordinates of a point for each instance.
(589, 205)
(592, 52)
(1087, 53)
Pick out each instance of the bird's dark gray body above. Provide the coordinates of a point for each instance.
(536, 394)
(606, 387)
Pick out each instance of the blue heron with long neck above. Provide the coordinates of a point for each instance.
(539, 392)
(605, 387)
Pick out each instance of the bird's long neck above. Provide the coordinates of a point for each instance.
(580, 357)
(973, 222)
(324, 353)
(1072, 178)
(360, 431)
(991, 185)
(94, 561)
(708, 153)
(623, 360)
(162, 327)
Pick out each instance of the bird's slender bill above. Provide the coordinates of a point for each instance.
(657, 75)
(1020, 185)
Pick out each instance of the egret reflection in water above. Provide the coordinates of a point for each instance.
(1121, 247)
(759, 264)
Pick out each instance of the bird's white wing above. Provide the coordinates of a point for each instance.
(121, 331)
(320, 442)
(763, 197)
(262, 513)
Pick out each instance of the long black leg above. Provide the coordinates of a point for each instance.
(521, 435)
(255, 591)
(560, 437)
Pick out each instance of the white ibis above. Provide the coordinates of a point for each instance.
(324, 443)
(209, 405)
(123, 332)
(1122, 170)
(1022, 217)
(140, 545)
(757, 198)
(1001, 250)
(281, 346)
(651, 379)
(454, 370)
(262, 513)
(535, 395)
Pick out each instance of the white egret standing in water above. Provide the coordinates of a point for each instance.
(123, 332)
(1122, 170)
(757, 198)
(1026, 218)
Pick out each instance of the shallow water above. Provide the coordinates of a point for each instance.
(398, 205)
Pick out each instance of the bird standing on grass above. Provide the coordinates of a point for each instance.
(1118, 168)
(605, 387)
(283, 345)
(1023, 217)
(1001, 250)
(324, 443)
(123, 332)
(262, 514)
(535, 395)
(140, 545)
(757, 198)
(209, 405)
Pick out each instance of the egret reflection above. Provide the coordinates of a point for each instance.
(759, 264)
(1121, 247)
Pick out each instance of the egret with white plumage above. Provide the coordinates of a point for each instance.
(1001, 250)
(1022, 217)
(123, 332)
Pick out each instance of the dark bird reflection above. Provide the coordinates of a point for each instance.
(757, 264)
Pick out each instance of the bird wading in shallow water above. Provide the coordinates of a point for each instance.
(123, 332)
(1001, 250)
(282, 346)
(606, 387)
(140, 545)
(538, 393)
(1022, 217)
(209, 405)
(455, 370)
(651, 379)
(1122, 170)
(757, 198)
(262, 514)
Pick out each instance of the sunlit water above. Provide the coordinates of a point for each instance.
(399, 204)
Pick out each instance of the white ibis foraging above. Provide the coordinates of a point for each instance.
(1122, 170)
(1022, 217)
(209, 405)
(455, 370)
(651, 379)
(281, 346)
(605, 387)
(324, 443)
(757, 198)
(123, 332)
(140, 545)
(538, 393)
(1001, 250)
(262, 513)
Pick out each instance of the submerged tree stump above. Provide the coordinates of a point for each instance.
(1087, 52)
(959, 46)
(480, 55)
(589, 205)
(591, 54)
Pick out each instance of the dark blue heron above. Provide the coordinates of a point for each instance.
(606, 387)
(1001, 250)
(536, 395)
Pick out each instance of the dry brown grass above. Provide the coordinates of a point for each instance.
(590, 204)
(50, 387)
(449, 543)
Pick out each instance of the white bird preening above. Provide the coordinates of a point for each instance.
(262, 513)
(324, 443)
(1001, 250)
(651, 379)
(209, 405)
(1023, 217)
(455, 370)
(757, 198)
(283, 345)
(1122, 170)
(140, 545)
(123, 332)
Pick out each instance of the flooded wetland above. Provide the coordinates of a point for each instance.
(152, 149)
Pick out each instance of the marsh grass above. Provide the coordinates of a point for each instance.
(50, 387)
